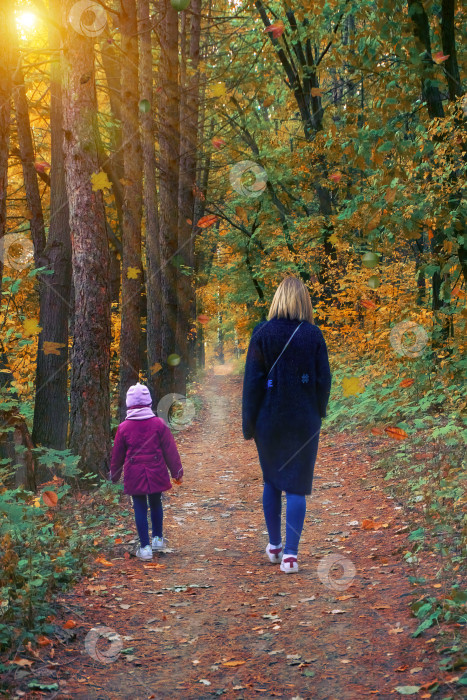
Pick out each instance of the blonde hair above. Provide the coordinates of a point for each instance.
(291, 300)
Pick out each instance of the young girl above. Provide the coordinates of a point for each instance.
(144, 447)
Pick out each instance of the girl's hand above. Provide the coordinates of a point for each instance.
(178, 481)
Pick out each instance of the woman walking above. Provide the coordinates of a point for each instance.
(285, 394)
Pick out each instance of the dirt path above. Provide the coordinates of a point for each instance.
(214, 618)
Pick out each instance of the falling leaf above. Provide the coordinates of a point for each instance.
(207, 220)
(440, 57)
(50, 498)
(31, 327)
(218, 143)
(406, 382)
(396, 433)
(69, 624)
(352, 386)
(276, 30)
(99, 181)
(144, 106)
(407, 689)
(203, 318)
(336, 177)
(156, 367)
(41, 166)
(51, 348)
(233, 663)
(132, 273)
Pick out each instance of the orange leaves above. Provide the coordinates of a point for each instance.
(369, 524)
(50, 498)
(316, 92)
(439, 57)
(69, 625)
(218, 143)
(368, 303)
(336, 177)
(406, 382)
(207, 220)
(275, 30)
(104, 562)
(43, 641)
(396, 433)
(233, 663)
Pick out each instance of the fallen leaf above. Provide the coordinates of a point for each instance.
(21, 662)
(154, 565)
(69, 624)
(118, 540)
(104, 562)
(407, 689)
(396, 433)
(345, 597)
(233, 663)
(336, 611)
(50, 498)
(43, 641)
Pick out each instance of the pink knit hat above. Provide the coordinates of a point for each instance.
(138, 395)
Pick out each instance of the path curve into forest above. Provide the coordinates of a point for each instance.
(214, 618)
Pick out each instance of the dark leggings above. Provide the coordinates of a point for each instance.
(140, 504)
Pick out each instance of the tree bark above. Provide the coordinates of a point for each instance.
(189, 114)
(153, 325)
(448, 38)
(169, 149)
(51, 403)
(26, 149)
(90, 404)
(132, 194)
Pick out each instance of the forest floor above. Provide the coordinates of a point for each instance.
(212, 617)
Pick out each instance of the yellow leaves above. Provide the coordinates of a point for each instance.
(217, 90)
(156, 367)
(99, 181)
(51, 348)
(233, 663)
(31, 327)
(132, 273)
(352, 386)
(103, 561)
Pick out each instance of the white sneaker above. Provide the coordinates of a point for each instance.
(274, 553)
(158, 543)
(144, 552)
(289, 564)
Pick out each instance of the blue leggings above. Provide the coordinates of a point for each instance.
(295, 517)
(140, 504)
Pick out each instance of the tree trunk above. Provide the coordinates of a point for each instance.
(448, 38)
(51, 404)
(132, 192)
(153, 325)
(189, 111)
(26, 149)
(90, 405)
(169, 148)
(5, 99)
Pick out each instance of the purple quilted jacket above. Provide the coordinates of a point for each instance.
(145, 449)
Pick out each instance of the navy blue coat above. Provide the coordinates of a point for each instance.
(284, 418)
